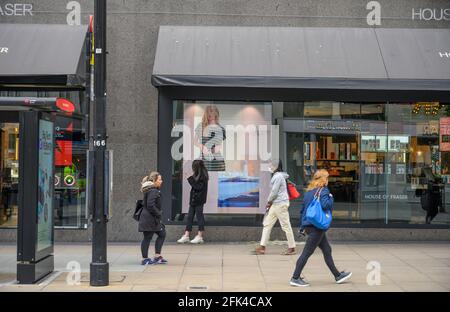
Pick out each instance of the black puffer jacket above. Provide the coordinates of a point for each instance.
(150, 220)
(199, 191)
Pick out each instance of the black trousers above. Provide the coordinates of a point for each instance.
(158, 244)
(195, 210)
(316, 238)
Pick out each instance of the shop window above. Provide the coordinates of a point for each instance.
(389, 163)
(293, 109)
(333, 136)
(238, 182)
(417, 160)
(322, 110)
(393, 167)
(9, 173)
(71, 146)
(70, 173)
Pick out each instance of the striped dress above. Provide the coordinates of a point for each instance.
(215, 136)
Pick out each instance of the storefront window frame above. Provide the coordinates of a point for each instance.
(167, 98)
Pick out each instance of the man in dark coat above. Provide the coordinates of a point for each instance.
(150, 218)
(430, 201)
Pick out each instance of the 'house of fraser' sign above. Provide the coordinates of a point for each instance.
(16, 9)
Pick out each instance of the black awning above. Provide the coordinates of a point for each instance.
(42, 54)
(310, 58)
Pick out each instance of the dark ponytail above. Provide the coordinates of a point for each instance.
(279, 167)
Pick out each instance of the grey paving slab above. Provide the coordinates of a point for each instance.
(421, 287)
(232, 267)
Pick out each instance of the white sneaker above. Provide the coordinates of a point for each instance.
(184, 239)
(197, 240)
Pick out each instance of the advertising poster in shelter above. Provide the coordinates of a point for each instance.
(45, 186)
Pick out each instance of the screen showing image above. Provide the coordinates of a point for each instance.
(228, 138)
(238, 189)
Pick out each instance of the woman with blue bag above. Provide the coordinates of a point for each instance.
(315, 221)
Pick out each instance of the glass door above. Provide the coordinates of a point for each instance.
(349, 140)
(338, 154)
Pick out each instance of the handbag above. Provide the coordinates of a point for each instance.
(138, 210)
(292, 190)
(316, 215)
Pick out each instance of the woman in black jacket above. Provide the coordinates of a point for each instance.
(199, 191)
(150, 218)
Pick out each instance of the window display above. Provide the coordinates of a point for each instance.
(387, 162)
(227, 138)
(383, 170)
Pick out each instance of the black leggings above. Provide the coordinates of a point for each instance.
(148, 238)
(195, 210)
(316, 238)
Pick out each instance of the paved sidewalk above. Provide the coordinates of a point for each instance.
(405, 266)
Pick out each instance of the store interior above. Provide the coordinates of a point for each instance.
(380, 169)
(9, 173)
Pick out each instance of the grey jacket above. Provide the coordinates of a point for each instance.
(278, 193)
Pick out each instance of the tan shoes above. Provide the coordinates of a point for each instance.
(289, 252)
(260, 250)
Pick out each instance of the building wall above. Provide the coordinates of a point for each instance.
(131, 40)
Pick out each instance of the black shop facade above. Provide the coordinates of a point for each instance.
(347, 100)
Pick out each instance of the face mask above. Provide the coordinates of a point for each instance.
(270, 169)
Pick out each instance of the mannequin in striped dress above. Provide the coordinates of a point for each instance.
(209, 136)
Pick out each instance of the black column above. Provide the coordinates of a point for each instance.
(165, 121)
(99, 269)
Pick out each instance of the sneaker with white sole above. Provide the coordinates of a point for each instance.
(343, 277)
(159, 260)
(299, 282)
(197, 240)
(147, 261)
(183, 240)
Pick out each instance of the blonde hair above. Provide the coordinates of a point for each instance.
(153, 176)
(319, 179)
(210, 108)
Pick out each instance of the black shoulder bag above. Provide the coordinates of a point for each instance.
(138, 209)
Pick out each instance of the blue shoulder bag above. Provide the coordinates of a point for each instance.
(316, 215)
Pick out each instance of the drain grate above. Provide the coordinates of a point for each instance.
(120, 280)
(197, 287)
